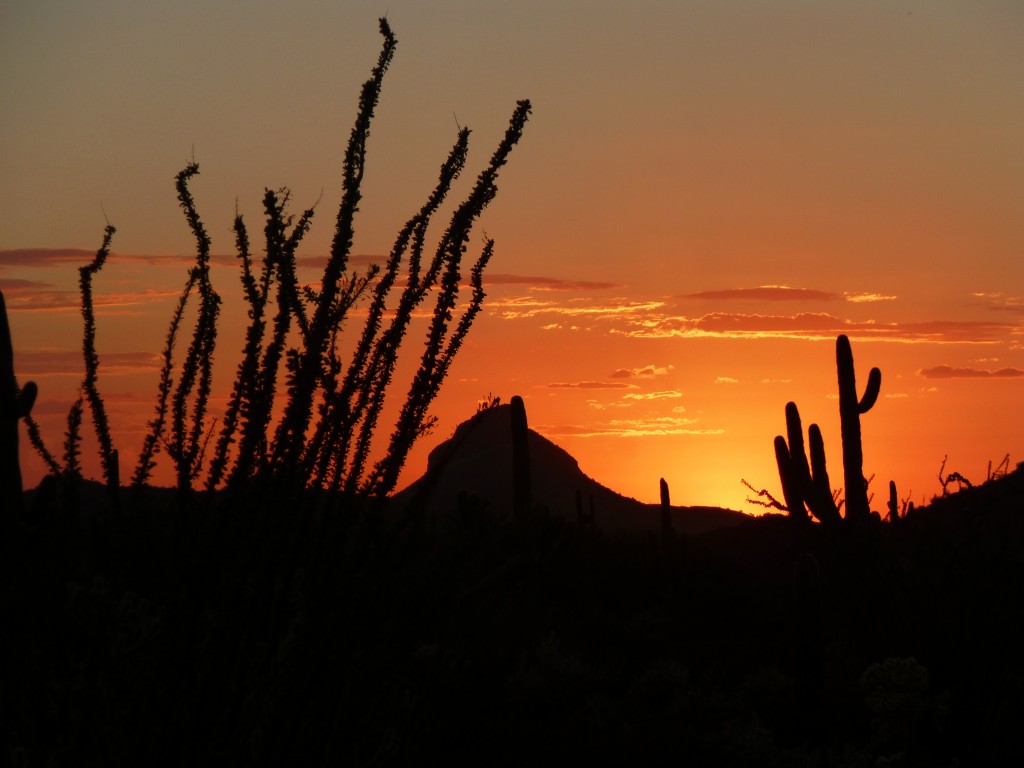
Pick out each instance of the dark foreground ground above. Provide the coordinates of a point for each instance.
(248, 631)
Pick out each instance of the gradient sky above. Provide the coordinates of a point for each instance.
(706, 195)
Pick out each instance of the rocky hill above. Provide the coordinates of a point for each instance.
(477, 460)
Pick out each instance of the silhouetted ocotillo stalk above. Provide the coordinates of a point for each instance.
(15, 404)
(187, 440)
(522, 492)
(850, 409)
(804, 483)
(442, 344)
(666, 512)
(309, 365)
(361, 397)
(92, 362)
(154, 434)
(73, 441)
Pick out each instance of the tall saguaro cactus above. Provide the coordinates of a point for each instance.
(805, 485)
(850, 409)
(15, 404)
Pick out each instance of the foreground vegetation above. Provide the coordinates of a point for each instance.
(223, 631)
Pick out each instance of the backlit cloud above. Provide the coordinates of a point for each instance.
(866, 298)
(658, 426)
(766, 293)
(51, 300)
(815, 326)
(525, 307)
(670, 394)
(589, 385)
(644, 372)
(949, 372)
(61, 362)
(547, 283)
(13, 286)
(1002, 302)
(785, 293)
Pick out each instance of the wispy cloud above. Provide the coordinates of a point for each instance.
(644, 372)
(51, 300)
(1002, 302)
(669, 394)
(785, 293)
(658, 426)
(526, 307)
(13, 286)
(60, 362)
(54, 257)
(867, 298)
(548, 283)
(42, 257)
(815, 326)
(949, 372)
(765, 293)
(726, 380)
(589, 385)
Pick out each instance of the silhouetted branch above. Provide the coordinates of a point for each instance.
(92, 362)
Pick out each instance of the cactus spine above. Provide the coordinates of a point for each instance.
(522, 496)
(15, 404)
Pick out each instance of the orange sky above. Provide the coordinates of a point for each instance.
(706, 194)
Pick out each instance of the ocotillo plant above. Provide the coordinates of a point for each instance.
(806, 486)
(522, 492)
(15, 403)
(297, 340)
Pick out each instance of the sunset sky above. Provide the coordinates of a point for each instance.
(707, 193)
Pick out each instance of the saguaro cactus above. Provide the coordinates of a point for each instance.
(666, 511)
(522, 495)
(803, 483)
(806, 483)
(850, 409)
(15, 404)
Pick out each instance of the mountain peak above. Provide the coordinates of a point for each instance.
(478, 459)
